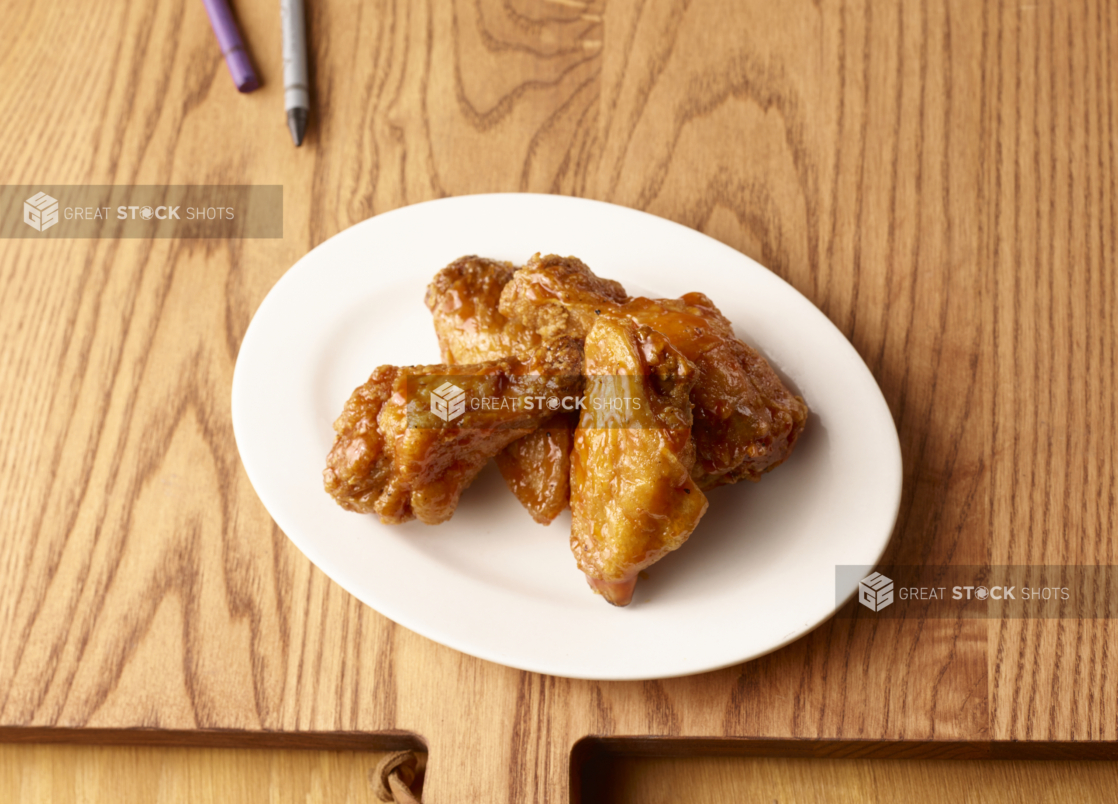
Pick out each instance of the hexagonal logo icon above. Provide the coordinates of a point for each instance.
(448, 401)
(875, 591)
(40, 212)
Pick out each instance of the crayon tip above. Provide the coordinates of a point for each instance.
(297, 123)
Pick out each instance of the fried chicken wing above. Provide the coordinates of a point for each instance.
(463, 301)
(410, 440)
(537, 468)
(632, 496)
(555, 296)
(746, 420)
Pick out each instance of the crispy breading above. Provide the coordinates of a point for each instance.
(395, 456)
(558, 296)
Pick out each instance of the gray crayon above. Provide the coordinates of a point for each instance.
(296, 85)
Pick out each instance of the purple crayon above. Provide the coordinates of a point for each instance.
(232, 48)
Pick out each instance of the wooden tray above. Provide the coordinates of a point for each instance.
(938, 179)
(612, 769)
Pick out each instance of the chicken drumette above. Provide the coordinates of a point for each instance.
(395, 455)
(632, 496)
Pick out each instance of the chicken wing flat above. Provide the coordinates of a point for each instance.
(632, 496)
(410, 440)
(556, 296)
(463, 301)
(746, 420)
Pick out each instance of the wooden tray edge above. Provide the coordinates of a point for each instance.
(218, 738)
(590, 754)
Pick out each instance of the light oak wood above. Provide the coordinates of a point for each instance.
(939, 178)
(72, 774)
(77, 774)
(860, 781)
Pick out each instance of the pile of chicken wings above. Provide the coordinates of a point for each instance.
(669, 402)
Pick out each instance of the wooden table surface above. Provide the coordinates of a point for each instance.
(938, 177)
(80, 774)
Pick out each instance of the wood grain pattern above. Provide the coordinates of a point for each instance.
(860, 781)
(76, 774)
(939, 178)
(72, 774)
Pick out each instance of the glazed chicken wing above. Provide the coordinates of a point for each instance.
(410, 440)
(746, 420)
(632, 496)
(463, 299)
(537, 468)
(555, 296)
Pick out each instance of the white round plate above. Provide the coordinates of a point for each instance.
(759, 570)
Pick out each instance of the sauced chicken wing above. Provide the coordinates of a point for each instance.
(397, 456)
(537, 468)
(463, 301)
(555, 296)
(746, 420)
(632, 496)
